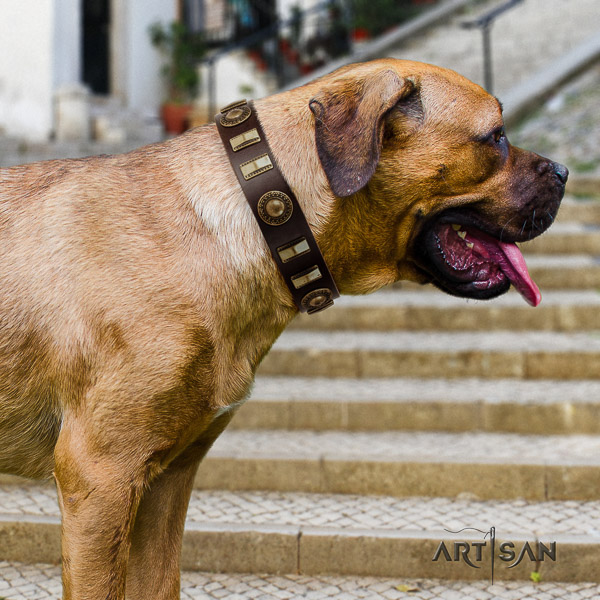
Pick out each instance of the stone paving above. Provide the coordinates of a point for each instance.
(42, 582)
(391, 445)
(347, 511)
(343, 390)
(527, 341)
(392, 297)
(566, 261)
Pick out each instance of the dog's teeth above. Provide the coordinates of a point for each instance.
(456, 227)
(470, 245)
(462, 234)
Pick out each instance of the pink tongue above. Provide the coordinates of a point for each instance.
(510, 260)
(516, 270)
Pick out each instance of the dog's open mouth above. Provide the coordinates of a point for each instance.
(466, 261)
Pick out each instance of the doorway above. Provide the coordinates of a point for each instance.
(96, 45)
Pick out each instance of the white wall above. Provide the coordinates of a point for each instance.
(145, 89)
(40, 46)
(26, 67)
(67, 42)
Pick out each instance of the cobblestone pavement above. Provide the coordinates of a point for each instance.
(42, 582)
(17, 152)
(347, 511)
(410, 514)
(470, 446)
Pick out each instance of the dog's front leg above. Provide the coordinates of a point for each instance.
(99, 491)
(153, 570)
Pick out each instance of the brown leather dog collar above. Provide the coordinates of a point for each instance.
(276, 209)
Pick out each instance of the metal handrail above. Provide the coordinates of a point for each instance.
(485, 22)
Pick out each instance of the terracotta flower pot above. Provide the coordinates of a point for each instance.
(175, 117)
(360, 34)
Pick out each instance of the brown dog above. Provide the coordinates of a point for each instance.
(137, 295)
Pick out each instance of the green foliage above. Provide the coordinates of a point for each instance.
(378, 15)
(182, 51)
(535, 577)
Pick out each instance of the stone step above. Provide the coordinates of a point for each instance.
(577, 271)
(566, 238)
(483, 465)
(315, 534)
(526, 355)
(489, 465)
(42, 582)
(578, 210)
(418, 310)
(550, 272)
(454, 405)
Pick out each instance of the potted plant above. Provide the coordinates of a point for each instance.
(183, 51)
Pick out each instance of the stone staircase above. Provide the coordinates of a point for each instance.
(378, 427)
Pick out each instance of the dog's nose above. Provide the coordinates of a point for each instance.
(561, 172)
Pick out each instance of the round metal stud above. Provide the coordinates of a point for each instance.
(275, 208)
(235, 116)
(316, 299)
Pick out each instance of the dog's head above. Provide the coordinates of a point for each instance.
(426, 179)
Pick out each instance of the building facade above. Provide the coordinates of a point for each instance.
(55, 50)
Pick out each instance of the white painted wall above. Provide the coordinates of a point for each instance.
(236, 77)
(26, 67)
(145, 89)
(67, 42)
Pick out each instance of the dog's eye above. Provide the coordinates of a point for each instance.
(499, 135)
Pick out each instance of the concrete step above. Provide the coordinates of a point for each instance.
(488, 465)
(526, 355)
(42, 582)
(483, 465)
(419, 310)
(577, 271)
(315, 534)
(580, 210)
(566, 238)
(550, 272)
(403, 404)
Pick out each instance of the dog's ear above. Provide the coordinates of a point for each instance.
(349, 124)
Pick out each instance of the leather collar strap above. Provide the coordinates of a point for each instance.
(276, 209)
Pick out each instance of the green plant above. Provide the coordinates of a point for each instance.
(246, 89)
(376, 16)
(182, 50)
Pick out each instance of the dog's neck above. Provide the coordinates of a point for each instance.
(291, 137)
(276, 209)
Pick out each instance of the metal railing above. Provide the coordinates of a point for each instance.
(485, 22)
(289, 48)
